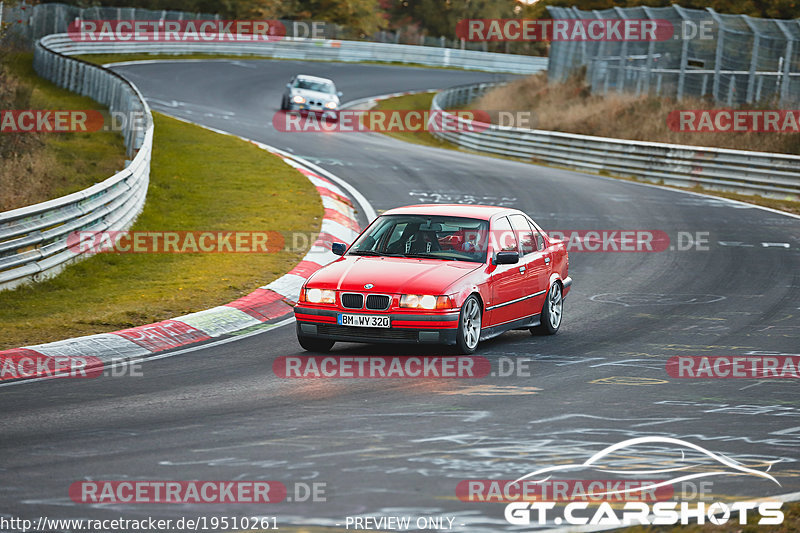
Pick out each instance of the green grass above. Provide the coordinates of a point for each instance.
(67, 162)
(199, 180)
(420, 102)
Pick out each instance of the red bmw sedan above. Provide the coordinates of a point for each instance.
(447, 274)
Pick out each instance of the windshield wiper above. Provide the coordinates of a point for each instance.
(443, 258)
(372, 253)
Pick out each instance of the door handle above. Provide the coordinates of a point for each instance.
(521, 270)
(546, 260)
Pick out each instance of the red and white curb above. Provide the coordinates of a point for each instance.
(269, 302)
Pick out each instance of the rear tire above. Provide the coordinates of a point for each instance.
(552, 311)
(469, 325)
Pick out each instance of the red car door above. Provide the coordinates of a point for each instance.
(507, 281)
(535, 260)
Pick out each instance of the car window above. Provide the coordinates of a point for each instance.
(425, 236)
(503, 236)
(315, 86)
(524, 234)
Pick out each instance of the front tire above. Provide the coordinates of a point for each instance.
(469, 325)
(552, 311)
(310, 344)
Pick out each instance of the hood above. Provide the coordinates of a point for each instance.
(315, 95)
(392, 275)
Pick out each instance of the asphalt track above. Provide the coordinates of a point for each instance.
(401, 446)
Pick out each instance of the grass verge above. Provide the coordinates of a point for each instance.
(420, 101)
(199, 180)
(423, 101)
(61, 163)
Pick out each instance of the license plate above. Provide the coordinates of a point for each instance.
(364, 321)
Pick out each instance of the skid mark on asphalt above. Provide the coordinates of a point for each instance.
(628, 380)
(493, 390)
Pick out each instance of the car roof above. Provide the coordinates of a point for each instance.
(483, 212)
(313, 78)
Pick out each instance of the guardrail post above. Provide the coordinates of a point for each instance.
(684, 55)
(787, 62)
(751, 80)
(718, 53)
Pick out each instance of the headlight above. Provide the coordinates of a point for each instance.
(331, 105)
(425, 301)
(297, 99)
(320, 296)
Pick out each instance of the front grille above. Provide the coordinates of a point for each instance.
(352, 300)
(367, 333)
(378, 302)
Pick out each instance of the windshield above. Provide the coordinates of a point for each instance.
(425, 236)
(318, 86)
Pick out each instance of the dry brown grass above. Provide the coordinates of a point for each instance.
(35, 167)
(570, 107)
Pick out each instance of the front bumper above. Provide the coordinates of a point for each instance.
(305, 109)
(440, 328)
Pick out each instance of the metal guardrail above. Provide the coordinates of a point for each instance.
(33, 239)
(767, 174)
(316, 49)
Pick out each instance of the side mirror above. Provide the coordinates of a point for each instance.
(338, 248)
(506, 258)
(339, 94)
(288, 85)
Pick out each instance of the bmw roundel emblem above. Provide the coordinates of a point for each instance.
(368, 286)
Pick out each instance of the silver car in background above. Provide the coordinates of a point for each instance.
(310, 93)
